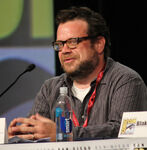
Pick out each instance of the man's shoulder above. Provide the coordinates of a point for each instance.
(53, 84)
(117, 70)
(56, 79)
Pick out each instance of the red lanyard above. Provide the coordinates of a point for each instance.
(91, 101)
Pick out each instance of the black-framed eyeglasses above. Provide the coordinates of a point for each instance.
(71, 43)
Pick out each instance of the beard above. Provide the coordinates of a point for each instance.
(85, 68)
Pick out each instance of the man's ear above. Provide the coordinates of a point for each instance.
(100, 44)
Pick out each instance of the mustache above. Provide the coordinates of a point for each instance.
(68, 56)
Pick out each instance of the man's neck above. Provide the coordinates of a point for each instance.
(85, 82)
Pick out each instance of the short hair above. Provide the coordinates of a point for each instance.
(96, 23)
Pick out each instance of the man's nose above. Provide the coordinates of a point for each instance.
(65, 49)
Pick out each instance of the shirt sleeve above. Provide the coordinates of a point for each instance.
(41, 104)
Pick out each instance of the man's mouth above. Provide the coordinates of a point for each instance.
(69, 60)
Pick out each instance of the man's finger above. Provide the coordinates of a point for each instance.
(27, 136)
(23, 129)
(28, 121)
(43, 119)
(13, 123)
(33, 117)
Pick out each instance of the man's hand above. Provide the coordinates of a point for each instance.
(35, 127)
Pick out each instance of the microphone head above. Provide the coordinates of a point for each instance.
(30, 68)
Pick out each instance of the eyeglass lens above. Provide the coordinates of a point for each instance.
(71, 43)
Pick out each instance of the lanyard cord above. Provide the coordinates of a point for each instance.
(91, 101)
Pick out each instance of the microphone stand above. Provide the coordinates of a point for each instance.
(29, 68)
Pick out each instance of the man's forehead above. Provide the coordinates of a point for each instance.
(71, 29)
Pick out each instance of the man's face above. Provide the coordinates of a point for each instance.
(82, 60)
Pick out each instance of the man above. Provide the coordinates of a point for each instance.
(100, 88)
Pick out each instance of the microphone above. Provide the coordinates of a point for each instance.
(28, 69)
